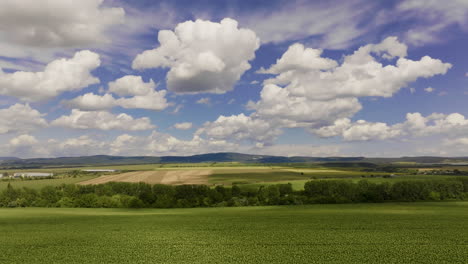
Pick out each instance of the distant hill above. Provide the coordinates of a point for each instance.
(5, 159)
(219, 157)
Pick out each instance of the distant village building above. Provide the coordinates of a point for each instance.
(102, 170)
(32, 174)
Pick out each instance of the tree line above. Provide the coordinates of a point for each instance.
(142, 195)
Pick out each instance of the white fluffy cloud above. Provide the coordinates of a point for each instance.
(131, 85)
(24, 146)
(164, 144)
(203, 56)
(320, 94)
(102, 120)
(31, 27)
(454, 124)
(28, 146)
(183, 126)
(92, 102)
(360, 74)
(58, 76)
(141, 95)
(23, 140)
(297, 57)
(280, 106)
(240, 128)
(312, 91)
(415, 126)
(20, 118)
(359, 131)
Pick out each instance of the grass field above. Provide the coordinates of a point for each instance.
(359, 233)
(39, 183)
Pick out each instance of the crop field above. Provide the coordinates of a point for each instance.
(357, 233)
(173, 177)
(221, 175)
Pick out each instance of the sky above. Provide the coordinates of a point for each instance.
(291, 78)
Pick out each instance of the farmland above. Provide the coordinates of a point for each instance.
(172, 177)
(229, 173)
(357, 233)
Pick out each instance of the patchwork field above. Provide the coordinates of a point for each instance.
(350, 233)
(172, 177)
(214, 174)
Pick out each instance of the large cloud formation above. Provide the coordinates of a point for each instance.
(314, 92)
(58, 76)
(203, 56)
(310, 82)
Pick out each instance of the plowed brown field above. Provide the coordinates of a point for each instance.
(172, 177)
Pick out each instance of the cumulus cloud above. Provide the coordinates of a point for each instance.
(102, 120)
(454, 124)
(20, 118)
(279, 105)
(203, 56)
(92, 102)
(361, 130)
(58, 76)
(24, 146)
(312, 91)
(240, 128)
(139, 95)
(31, 27)
(164, 144)
(154, 100)
(183, 126)
(23, 140)
(320, 94)
(131, 85)
(297, 57)
(415, 126)
(359, 75)
(28, 146)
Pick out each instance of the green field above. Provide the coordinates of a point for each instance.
(39, 183)
(359, 233)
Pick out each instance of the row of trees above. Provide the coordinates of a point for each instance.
(142, 195)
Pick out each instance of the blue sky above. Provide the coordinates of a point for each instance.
(313, 78)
